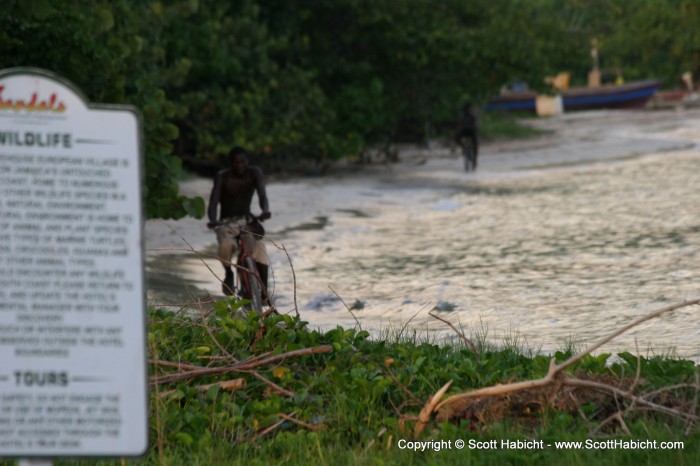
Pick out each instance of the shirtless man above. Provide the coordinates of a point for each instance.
(233, 190)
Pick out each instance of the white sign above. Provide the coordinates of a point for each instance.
(73, 376)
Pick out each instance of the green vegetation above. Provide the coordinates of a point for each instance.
(324, 80)
(499, 125)
(353, 399)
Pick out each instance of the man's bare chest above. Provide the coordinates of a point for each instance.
(238, 186)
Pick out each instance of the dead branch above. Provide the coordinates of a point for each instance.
(246, 366)
(556, 370)
(276, 388)
(619, 415)
(409, 320)
(242, 366)
(207, 327)
(466, 340)
(625, 328)
(694, 410)
(268, 429)
(616, 416)
(346, 307)
(428, 409)
(228, 385)
(572, 382)
(199, 254)
(638, 370)
(306, 425)
(294, 276)
(261, 433)
(176, 365)
(405, 389)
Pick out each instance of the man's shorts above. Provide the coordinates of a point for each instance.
(227, 237)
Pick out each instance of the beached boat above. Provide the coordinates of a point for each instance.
(629, 95)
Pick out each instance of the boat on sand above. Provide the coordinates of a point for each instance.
(628, 95)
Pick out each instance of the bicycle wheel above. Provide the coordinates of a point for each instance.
(253, 282)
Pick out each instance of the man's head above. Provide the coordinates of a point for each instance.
(238, 160)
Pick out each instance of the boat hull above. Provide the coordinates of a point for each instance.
(631, 95)
(515, 102)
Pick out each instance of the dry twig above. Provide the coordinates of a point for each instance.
(694, 410)
(555, 377)
(405, 389)
(359, 325)
(311, 427)
(469, 343)
(242, 366)
(409, 321)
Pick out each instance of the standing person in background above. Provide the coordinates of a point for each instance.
(233, 191)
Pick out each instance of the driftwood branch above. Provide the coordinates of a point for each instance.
(623, 329)
(601, 387)
(242, 366)
(428, 409)
(555, 379)
(556, 370)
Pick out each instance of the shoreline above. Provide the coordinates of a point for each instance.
(320, 218)
(573, 141)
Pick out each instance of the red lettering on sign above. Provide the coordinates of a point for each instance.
(52, 104)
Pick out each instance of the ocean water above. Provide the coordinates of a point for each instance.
(548, 259)
(545, 258)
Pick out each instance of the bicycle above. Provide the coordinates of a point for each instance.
(250, 284)
(469, 153)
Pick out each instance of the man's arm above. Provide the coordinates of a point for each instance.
(262, 194)
(214, 198)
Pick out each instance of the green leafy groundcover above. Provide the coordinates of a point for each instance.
(352, 403)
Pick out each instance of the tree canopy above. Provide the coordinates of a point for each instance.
(322, 80)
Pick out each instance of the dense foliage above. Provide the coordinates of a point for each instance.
(322, 80)
(352, 403)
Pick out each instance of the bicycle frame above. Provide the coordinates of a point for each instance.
(247, 273)
(247, 270)
(468, 153)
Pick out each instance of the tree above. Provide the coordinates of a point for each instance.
(305, 79)
(109, 50)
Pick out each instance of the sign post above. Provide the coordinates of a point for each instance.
(73, 376)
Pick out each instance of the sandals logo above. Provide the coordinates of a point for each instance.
(35, 104)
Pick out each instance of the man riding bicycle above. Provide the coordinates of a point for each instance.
(467, 135)
(233, 190)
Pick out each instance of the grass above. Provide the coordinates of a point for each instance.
(502, 125)
(352, 404)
